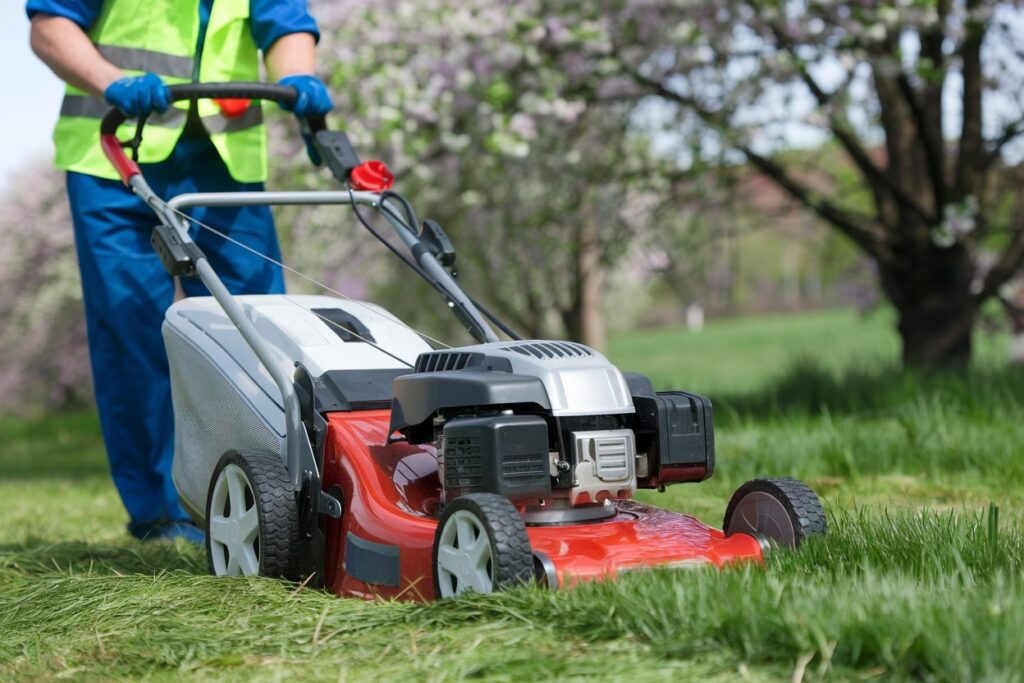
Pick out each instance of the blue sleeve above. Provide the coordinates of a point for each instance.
(82, 12)
(271, 19)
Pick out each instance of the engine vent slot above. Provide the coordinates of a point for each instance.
(447, 360)
(611, 455)
(605, 465)
(463, 463)
(528, 467)
(548, 350)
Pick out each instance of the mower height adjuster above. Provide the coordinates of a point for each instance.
(177, 256)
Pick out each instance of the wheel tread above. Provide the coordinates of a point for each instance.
(276, 508)
(804, 506)
(513, 556)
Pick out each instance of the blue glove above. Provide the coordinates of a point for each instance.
(313, 98)
(138, 96)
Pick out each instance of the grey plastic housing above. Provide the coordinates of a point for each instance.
(564, 379)
(225, 399)
(503, 454)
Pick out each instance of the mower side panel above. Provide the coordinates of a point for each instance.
(390, 494)
(382, 545)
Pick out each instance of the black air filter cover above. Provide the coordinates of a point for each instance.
(676, 430)
(503, 454)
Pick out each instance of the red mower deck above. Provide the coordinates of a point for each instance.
(392, 496)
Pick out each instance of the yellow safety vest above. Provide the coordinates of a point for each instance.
(160, 36)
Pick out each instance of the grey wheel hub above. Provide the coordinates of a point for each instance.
(234, 525)
(465, 559)
(761, 513)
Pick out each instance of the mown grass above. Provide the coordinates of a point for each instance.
(922, 577)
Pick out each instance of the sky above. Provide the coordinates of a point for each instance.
(32, 99)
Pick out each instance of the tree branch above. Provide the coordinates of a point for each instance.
(870, 242)
(928, 115)
(971, 156)
(1010, 133)
(876, 179)
(1010, 261)
(928, 120)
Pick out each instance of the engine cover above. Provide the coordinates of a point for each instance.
(560, 378)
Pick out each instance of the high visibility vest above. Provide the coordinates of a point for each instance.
(160, 36)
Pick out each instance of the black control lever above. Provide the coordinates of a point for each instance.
(337, 152)
(438, 242)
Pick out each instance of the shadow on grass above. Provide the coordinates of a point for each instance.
(809, 388)
(36, 557)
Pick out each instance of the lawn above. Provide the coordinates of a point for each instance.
(922, 576)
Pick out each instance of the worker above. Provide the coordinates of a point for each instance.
(124, 53)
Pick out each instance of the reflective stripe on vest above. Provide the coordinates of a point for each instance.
(160, 36)
(95, 108)
(137, 59)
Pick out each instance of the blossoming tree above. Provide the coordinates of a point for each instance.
(924, 97)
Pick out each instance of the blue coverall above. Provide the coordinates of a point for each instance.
(127, 291)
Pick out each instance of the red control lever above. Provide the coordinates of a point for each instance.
(232, 108)
(371, 176)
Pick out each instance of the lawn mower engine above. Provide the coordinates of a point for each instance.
(552, 426)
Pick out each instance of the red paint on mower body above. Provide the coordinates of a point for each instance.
(391, 497)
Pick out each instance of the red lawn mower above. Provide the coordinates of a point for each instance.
(321, 439)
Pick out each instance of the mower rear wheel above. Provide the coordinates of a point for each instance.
(480, 545)
(782, 509)
(252, 521)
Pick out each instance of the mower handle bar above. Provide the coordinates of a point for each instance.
(126, 168)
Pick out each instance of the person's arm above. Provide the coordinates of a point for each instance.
(291, 60)
(291, 54)
(64, 47)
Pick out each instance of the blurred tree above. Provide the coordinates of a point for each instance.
(925, 97)
(43, 356)
(542, 191)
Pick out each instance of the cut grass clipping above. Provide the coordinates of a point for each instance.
(922, 576)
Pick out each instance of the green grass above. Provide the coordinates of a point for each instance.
(921, 578)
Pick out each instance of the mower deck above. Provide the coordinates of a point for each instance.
(382, 545)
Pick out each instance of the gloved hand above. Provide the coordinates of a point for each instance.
(313, 100)
(138, 96)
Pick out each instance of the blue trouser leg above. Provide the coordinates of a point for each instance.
(201, 170)
(126, 292)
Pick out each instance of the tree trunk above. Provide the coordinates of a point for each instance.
(931, 292)
(592, 330)
(585, 320)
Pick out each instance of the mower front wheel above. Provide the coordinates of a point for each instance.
(783, 510)
(252, 520)
(480, 545)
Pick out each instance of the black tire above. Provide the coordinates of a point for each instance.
(269, 490)
(782, 509)
(511, 559)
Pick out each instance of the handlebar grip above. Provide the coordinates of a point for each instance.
(282, 94)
